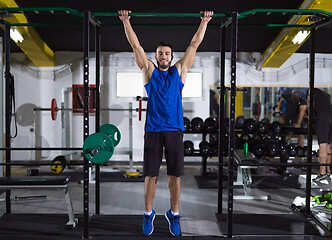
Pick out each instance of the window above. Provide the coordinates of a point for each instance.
(194, 85)
(130, 84)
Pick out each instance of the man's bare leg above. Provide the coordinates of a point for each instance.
(328, 168)
(174, 189)
(322, 157)
(150, 185)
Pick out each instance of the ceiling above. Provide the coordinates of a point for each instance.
(251, 39)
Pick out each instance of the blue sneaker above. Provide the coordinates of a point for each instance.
(173, 223)
(148, 223)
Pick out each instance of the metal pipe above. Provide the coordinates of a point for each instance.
(8, 110)
(97, 97)
(221, 117)
(231, 125)
(86, 49)
(137, 14)
(310, 128)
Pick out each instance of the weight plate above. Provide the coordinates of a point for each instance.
(54, 109)
(113, 132)
(98, 148)
(58, 164)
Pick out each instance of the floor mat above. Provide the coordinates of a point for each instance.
(51, 226)
(266, 224)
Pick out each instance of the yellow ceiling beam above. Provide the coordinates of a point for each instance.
(283, 47)
(32, 45)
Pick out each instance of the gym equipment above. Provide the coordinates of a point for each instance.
(213, 139)
(284, 152)
(188, 147)
(205, 148)
(187, 124)
(272, 147)
(58, 164)
(197, 125)
(262, 127)
(276, 114)
(210, 125)
(258, 150)
(275, 127)
(250, 126)
(99, 147)
(43, 182)
(54, 108)
(244, 174)
(292, 150)
(239, 122)
(299, 151)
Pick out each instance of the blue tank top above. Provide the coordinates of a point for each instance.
(164, 91)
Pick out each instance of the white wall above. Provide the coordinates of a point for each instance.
(39, 85)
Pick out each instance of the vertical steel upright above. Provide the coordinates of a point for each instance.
(97, 99)
(86, 34)
(310, 129)
(8, 105)
(231, 125)
(221, 117)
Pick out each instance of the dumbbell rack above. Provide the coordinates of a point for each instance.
(197, 152)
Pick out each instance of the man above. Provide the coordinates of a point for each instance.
(295, 109)
(164, 122)
(322, 109)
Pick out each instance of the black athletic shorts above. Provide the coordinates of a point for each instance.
(323, 129)
(154, 143)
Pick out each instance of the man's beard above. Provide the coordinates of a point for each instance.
(164, 66)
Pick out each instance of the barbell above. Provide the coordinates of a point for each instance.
(54, 109)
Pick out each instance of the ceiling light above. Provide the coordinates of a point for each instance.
(300, 37)
(16, 35)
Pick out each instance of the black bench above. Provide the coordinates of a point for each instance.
(42, 182)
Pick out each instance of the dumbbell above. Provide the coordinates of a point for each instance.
(188, 147)
(272, 150)
(258, 149)
(299, 151)
(99, 147)
(187, 124)
(197, 125)
(205, 148)
(210, 125)
(284, 152)
(213, 139)
(276, 114)
(263, 126)
(292, 150)
(239, 122)
(250, 126)
(272, 147)
(275, 127)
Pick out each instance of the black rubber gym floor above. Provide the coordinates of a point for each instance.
(51, 226)
(267, 224)
(128, 227)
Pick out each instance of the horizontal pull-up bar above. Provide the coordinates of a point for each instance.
(112, 14)
(42, 10)
(286, 11)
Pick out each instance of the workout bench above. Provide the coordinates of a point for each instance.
(42, 182)
(244, 175)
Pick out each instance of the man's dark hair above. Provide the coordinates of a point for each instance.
(165, 44)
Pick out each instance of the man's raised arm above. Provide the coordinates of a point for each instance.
(140, 57)
(187, 61)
